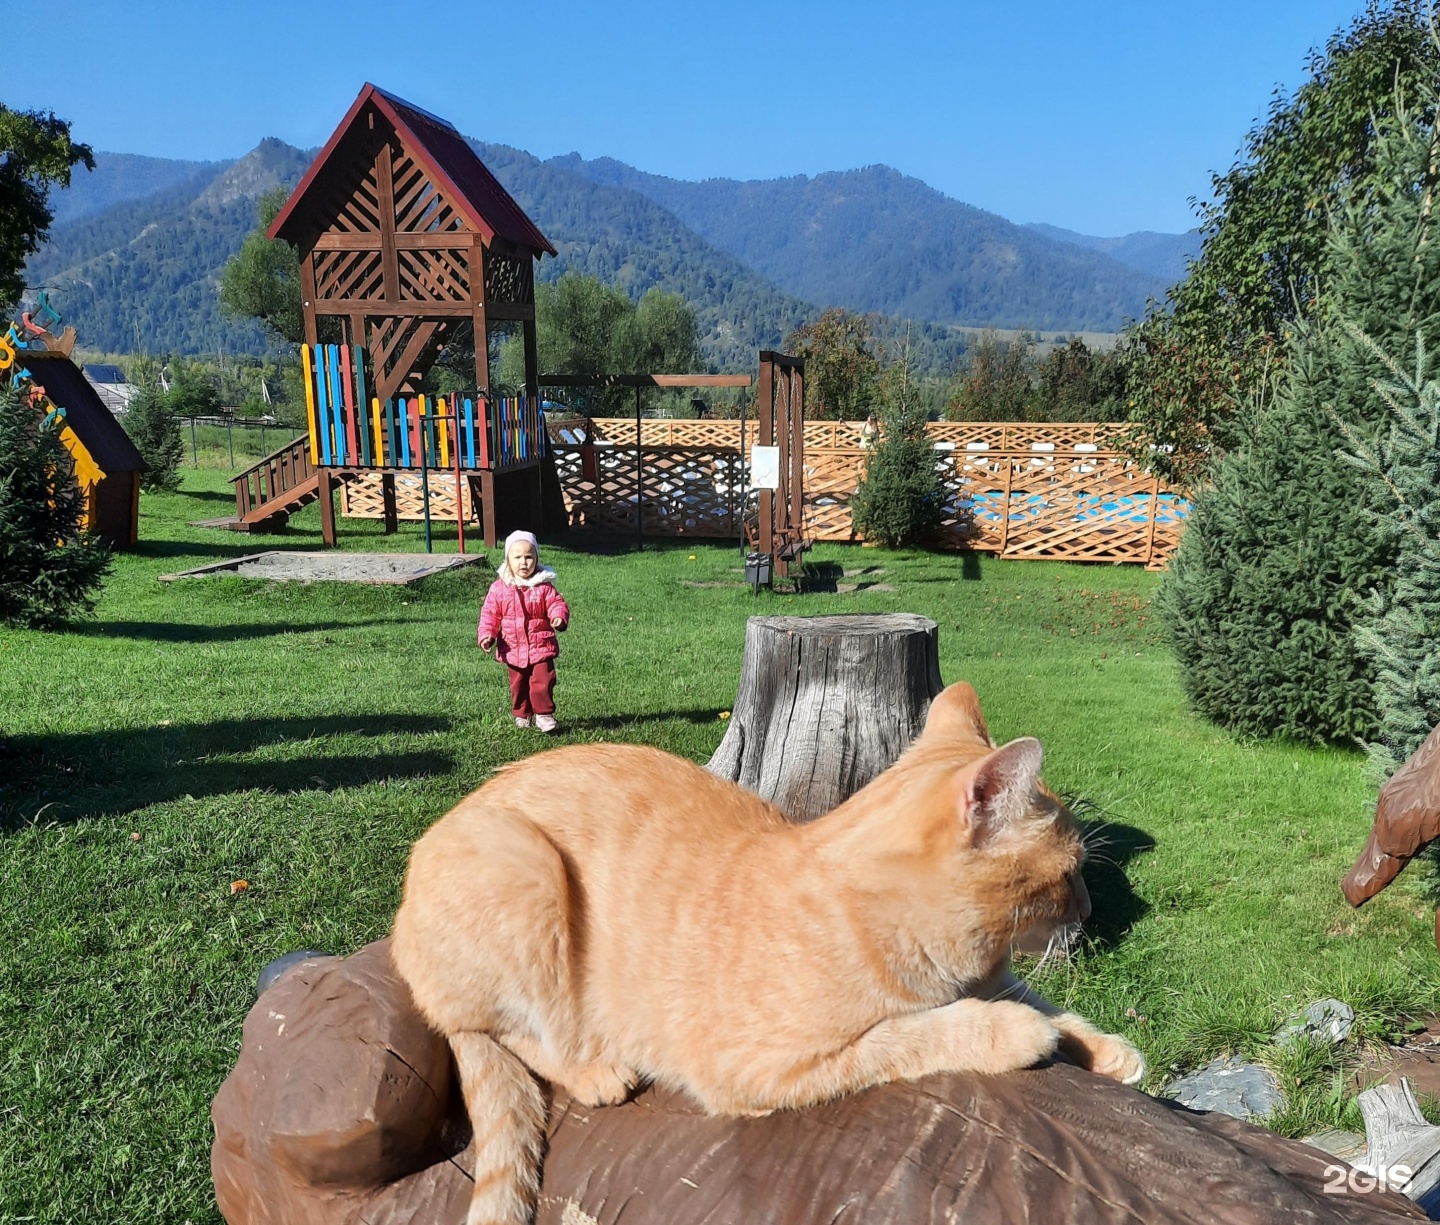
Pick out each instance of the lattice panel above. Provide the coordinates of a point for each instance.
(508, 280)
(434, 275)
(420, 207)
(683, 492)
(1085, 506)
(363, 497)
(342, 275)
(982, 436)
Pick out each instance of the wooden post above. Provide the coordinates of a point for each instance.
(1005, 504)
(765, 437)
(1154, 512)
(639, 479)
(327, 507)
(487, 509)
(825, 704)
(387, 499)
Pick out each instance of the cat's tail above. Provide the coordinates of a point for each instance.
(507, 1111)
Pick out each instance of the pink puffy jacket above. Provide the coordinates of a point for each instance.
(518, 614)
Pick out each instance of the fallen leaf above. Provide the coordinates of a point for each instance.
(135, 837)
(691, 557)
(238, 886)
(164, 722)
(724, 714)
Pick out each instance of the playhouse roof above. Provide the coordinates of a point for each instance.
(444, 153)
(85, 412)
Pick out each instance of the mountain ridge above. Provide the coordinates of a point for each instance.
(143, 269)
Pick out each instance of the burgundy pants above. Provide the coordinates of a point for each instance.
(532, 689)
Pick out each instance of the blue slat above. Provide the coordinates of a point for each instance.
(322, 407)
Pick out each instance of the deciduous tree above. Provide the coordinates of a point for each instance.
(842, 365)
(36, 154)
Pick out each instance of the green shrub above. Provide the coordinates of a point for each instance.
(901, 498)
(49, 569)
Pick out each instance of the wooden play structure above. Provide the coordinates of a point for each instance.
(106, 465)
(407, 243)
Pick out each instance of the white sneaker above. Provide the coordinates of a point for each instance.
(519, 722)
(546, 723)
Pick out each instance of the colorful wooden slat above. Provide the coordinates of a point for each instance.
(468, 405)
(483, 412)
(403, 419)
(308, 366)
(322, 408)
(377, 433)
(347, 398)
(334, 396)
(443, 409)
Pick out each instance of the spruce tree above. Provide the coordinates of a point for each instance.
(901, 499)
(1399, 631)
(154, 428)
(1284, 546)
(49, 569)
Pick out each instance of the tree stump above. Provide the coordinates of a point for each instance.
(825, 704)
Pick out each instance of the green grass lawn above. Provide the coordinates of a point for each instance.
(301, 737)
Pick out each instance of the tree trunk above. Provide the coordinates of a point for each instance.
(826, 704)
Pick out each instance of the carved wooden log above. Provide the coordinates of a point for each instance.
(343, 1109)
(825, 704)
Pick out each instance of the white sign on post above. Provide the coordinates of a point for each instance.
(764, 467)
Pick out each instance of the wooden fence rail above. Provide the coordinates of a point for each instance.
(1061, 492)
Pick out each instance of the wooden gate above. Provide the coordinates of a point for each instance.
(779, 531)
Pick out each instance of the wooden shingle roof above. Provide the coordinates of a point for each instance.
(451, 162)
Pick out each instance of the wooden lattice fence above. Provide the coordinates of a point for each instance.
(1061, 492)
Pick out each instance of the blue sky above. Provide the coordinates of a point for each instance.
(1103, 117)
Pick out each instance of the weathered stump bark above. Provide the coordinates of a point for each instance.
(343, 1110)
(825, 704)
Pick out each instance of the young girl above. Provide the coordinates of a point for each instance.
(520, 618)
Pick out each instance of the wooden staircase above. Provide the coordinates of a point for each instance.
(268, 493)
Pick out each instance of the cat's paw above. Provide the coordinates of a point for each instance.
(601, 1084)
(1107, 1055)
(1005, 1036)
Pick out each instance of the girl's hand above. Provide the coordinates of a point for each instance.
(557, 623)
(486, 643)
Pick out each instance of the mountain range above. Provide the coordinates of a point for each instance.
(137, 247)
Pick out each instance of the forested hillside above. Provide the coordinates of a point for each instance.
(878, 240)
(755, 260)
(1162, 255)
(143, 275)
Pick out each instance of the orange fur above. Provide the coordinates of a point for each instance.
(603, 914)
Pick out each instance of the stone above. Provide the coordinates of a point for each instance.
(1230, 1086)
(1327, 1021)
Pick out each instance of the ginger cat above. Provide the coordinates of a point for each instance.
(600, 915)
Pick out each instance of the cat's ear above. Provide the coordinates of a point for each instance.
(998, 789)
(955, 715)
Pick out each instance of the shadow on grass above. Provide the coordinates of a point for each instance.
(107, 773)
(170, 631)
(604, 723)
(970, 568)
(1116, 906)
(191, 548)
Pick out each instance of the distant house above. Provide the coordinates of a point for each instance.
(110, 385)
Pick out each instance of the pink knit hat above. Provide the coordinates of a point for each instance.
(522, 538)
